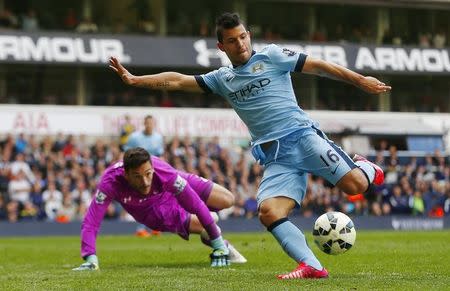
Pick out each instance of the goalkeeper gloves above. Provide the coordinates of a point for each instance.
(220, 255)
(220, 258)
(91, 264)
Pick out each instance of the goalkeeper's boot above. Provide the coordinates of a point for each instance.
(379, 174)
(235, 256)
(304, 271)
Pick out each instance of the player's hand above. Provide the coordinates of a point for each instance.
(91, 264)
(220, 258)
(123, 73)
(374, 86)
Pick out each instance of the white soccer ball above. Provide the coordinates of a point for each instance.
(334, 233)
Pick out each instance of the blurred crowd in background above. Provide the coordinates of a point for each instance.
(54, 179)
(184, 23)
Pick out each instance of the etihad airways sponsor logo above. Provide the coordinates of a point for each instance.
(252, 89)
(61, 49)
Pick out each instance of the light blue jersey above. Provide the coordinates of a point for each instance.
(152, 143)
(261, 92)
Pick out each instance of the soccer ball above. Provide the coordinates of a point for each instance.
(334, 233)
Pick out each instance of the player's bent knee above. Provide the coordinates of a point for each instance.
(354, 188)
(269, 214)
(222, 196)
(229, 199)
(353, 184)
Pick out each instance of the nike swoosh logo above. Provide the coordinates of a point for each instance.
(335, 169)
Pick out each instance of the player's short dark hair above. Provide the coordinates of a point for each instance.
(148, 117)
(135, 157)
(226, 21)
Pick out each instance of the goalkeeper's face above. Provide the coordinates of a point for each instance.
(140, 178)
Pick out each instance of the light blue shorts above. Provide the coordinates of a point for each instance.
(289, 160)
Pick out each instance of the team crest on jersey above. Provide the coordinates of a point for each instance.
(179, 184)
(100, 197)
(258, 68)
(288, 52)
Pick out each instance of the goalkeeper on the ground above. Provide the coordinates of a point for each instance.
(162, 198)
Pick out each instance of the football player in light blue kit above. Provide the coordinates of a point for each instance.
(284, 139)
(153, 142)
(148, 139)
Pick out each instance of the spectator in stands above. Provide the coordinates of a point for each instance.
(399, 201)
(99, 152)
(3, 212)
(147, 26)
(8, 20)
(418, 205)
(214, 148)
(67, 212)
(250, 205)
(69, 148)
(81, 196)
(29, 21)
(414, 176)
(126, 129)
(439, 39)
(4, 173)
(12, 209)
(434, 199)
(70, 19)
(86, 26)
(20, 165)
(21, 144)
(28, 211)
(447, 201)
(19, 188)
(59, 143)
(36, 199)
(52, 198)
(424, 39)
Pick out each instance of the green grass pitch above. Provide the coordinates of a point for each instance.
(378, 261)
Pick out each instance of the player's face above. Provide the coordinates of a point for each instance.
(236, 44)
(140, 178)
(148, 125)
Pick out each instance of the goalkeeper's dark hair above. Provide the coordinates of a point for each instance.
(226, 21)
(134, 158)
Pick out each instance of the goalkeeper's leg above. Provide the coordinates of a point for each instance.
(196, 227)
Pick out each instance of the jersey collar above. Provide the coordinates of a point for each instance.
(235, 67)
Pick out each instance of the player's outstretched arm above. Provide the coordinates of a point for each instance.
(337, 72)
(161, 81)
(91, 264)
